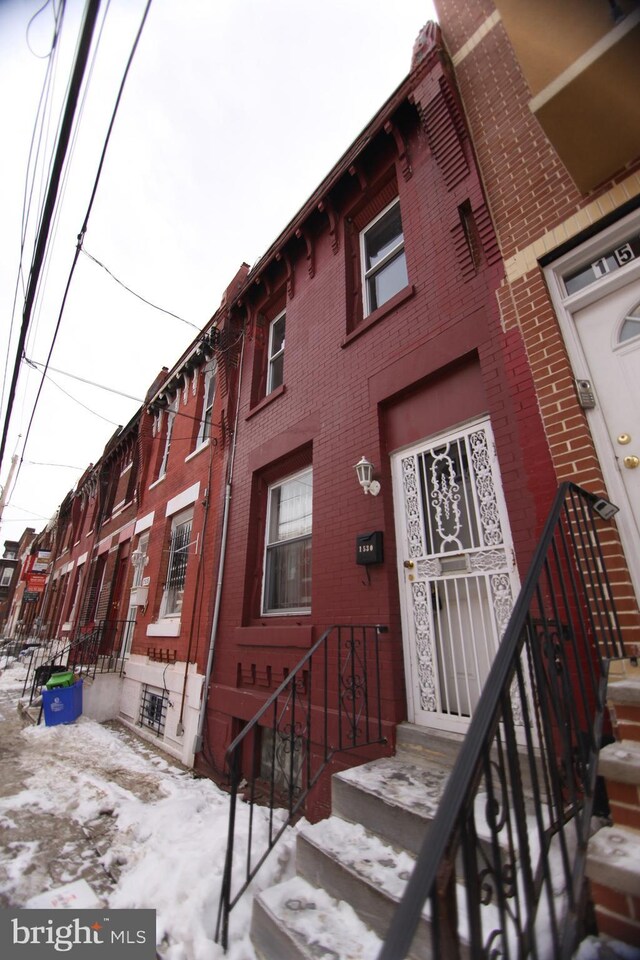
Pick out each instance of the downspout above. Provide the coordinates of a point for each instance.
(197, 744)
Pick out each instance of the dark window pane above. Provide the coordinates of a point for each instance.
(288, 583)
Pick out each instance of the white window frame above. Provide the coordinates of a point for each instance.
(179, 520)
(369, 275)
(268, 546)
(172, 409)
(208, 398)
(4, 579)
(273, 356)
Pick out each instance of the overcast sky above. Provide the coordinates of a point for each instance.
(233, 112)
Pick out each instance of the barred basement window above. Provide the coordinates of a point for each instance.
(153, 708)
(281, 761)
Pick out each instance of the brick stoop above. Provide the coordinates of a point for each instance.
(613, 863)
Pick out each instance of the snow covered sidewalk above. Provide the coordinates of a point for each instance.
(95, 802)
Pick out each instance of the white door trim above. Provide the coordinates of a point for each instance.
(565, 307)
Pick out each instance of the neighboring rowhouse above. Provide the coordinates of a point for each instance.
(549, 93)
(184, 441)
(20, 600)
(8, 578)
(374, 332)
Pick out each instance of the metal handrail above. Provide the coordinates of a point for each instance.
(288, 745)
(523, 875)
(85, 654)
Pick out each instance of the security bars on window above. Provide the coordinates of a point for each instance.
(153, 709)
(177, 570)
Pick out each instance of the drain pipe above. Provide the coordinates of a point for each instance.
(197, 744)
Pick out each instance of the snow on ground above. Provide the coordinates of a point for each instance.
(167, 849)
(171, 828)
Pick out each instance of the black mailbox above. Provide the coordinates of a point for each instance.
(369, 547)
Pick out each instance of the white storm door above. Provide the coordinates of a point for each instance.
(609, 331)
(458, 579)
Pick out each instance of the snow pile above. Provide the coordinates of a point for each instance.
(171, 835)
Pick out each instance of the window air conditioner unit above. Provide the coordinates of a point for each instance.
(139, 596)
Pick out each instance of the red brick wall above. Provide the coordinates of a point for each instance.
(438, 357)
(529, 192)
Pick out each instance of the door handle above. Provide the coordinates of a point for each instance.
(408, 564)
(631, 462)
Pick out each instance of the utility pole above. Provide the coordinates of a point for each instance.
(7, 486)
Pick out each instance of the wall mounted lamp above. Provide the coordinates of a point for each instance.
(364, 469)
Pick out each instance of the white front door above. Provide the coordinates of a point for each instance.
(609, 331)
(457, 573)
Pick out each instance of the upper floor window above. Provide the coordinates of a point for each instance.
(208, 396)
(287, 563)
(177, 566)
(171, 416)
(5, 578)
(275, 375)
(384, 268)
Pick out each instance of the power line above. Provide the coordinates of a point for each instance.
(80, 403)
(74, 376)
(39, 56)
(40, 463)
(28, 192)
(82, 231)
(82, 54)
(139, 296)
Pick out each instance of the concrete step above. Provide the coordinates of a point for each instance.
(296, 921)
(342, 864)
(613, 859)
(394, 798)
(422, 745)
(354, 865)
(620, 762)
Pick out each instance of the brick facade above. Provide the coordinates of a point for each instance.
(537, 211)
(435, 356)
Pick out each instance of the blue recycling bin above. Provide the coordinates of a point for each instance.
(62, 704)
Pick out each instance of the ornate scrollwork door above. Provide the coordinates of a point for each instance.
(458, 578)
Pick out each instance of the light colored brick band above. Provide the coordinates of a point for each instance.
(526, 259)
(475, 39)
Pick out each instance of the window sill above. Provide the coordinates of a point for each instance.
(405, 294)
(164, 628)
(156, 482)
(270, 397)
(194, 453)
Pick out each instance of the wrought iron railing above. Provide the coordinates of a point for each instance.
(95, 648)
(329, 703)
(501, 869)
